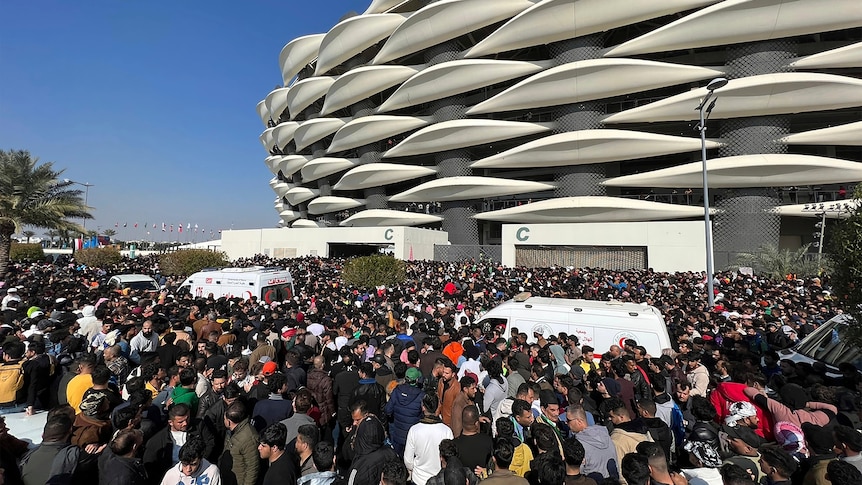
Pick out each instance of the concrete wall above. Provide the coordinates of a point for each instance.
(290, 242)
(671, 246)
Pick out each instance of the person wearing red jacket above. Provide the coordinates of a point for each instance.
(727, 393)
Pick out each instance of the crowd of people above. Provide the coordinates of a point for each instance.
(397, 385)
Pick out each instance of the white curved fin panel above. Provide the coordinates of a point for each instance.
(329, 203)
(590, 146)
(307, 91)
(273, 182)
(272, 163)
(312, 130)
(555, 20)
(763, 170)
(369, 129)
(281, 188)
(449, 135)
(266, 139)
(379, 6)
(297, 53)
(298, 195)
(445, 20)
(591, 209)
(352, 36)
(766, 94)
(362, 82)
(849, 134)
(290, 164)
(454, 77)
(591, 79)
(263, 113)
(379, 174)
(737, 21)
(388, 217)
(847, 56)
(468, 188)
(323, 166)
(276, 103)
(841, 209)
(283, 133)
(287, 216)
(306, 224)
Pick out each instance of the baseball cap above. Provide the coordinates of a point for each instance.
(412, 376)
(269, 368)
(379, 359)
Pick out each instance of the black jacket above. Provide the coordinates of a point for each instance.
(661, 434)
(37, 381)
(343, 385)
(370, 453)
(295, 377)
(642, 388)
(119, 470)
(374, 396)
(157, 451)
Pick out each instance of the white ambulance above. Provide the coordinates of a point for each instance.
(268, 284)
(598, 324)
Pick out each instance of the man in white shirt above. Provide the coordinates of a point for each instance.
(421, 452)
(192, 466)
(11, 294)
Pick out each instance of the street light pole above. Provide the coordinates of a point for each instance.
(86, 195)
(711, 87)
(823, 211)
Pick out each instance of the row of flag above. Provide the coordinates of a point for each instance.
(168, 228)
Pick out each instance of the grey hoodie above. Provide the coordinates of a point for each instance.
(601, 456)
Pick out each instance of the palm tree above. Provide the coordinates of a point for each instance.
(33, 194)
(109, 232)
(28, 235)
(65, 236)
(778, 263)
(52, 235)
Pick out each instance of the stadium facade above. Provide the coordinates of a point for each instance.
(468, 115)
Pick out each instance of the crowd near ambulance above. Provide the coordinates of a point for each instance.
(279, 372)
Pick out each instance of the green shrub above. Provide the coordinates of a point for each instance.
(187, 261)
(99, 257)
(370, 271)
(26, 253)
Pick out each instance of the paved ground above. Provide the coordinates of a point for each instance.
(27, 428)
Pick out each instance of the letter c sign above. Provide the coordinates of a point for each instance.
(522, 234)
(388, 235)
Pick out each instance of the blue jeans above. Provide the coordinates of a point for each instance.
(17, 408)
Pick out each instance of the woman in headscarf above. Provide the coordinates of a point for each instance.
(369, 452)
(497, 387)
(558, 355)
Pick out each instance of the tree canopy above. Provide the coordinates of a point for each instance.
(845, 253)
(32, 194)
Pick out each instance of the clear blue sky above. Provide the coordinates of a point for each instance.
(152, 102)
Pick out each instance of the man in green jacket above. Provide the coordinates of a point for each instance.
(241, 464)
(185, 392)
